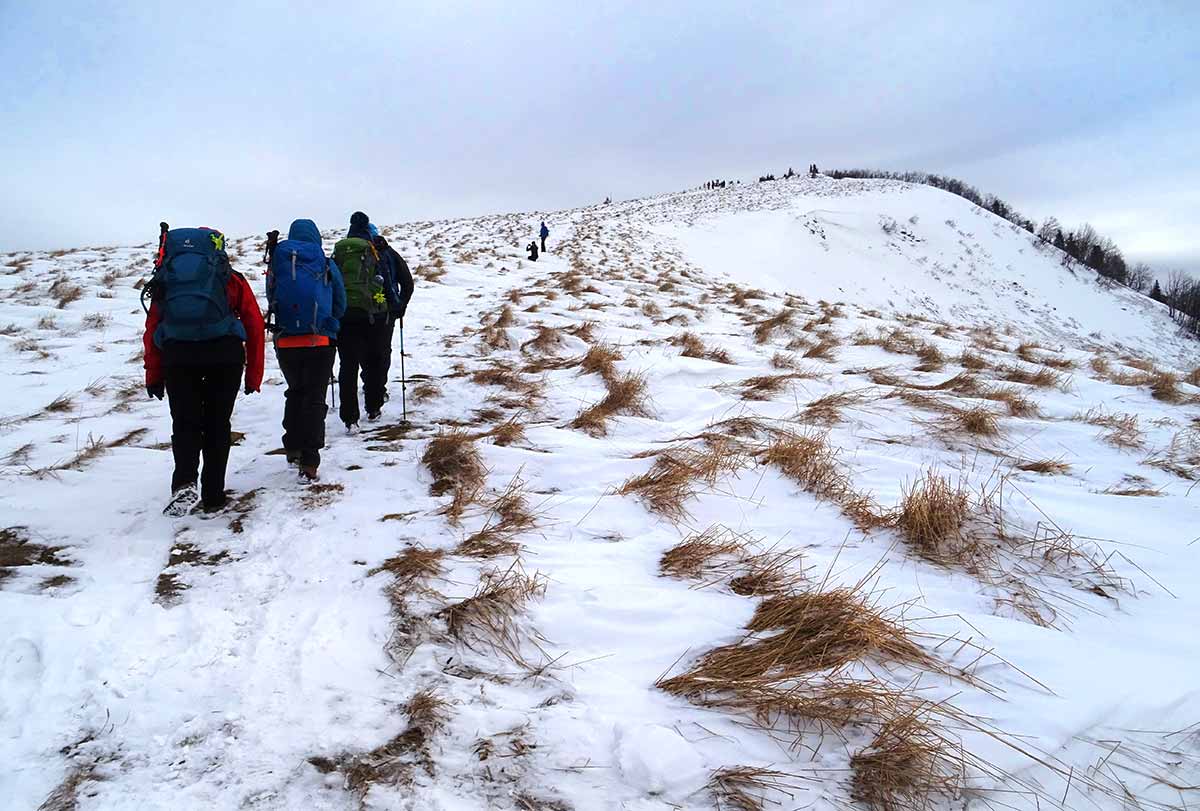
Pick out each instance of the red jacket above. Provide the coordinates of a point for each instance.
(242, 302)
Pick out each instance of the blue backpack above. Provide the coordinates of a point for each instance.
(189, 284)
(300, 289)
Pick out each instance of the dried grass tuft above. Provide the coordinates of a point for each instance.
(782, 320)
(488, 618)
(1049, 467)
(908, 765)
(823, 350)
(509, 516)
(601, 360)
(678, 474)
(1165, 387)
(627, 395)
(457, 469)
(931, 518)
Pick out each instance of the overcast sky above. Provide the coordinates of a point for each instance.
(116, 115)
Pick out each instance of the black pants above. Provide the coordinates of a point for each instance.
(307, 371)
(201, 399)
(362, 345)
(543, 244)
(387, 346)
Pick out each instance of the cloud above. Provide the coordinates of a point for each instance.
(244, 116)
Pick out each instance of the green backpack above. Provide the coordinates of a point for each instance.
(359, 263)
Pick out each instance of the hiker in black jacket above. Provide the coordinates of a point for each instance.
(399, 291)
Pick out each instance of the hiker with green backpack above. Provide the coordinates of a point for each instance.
(362, 341)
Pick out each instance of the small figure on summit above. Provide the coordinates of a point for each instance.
(203, 326)
(306, 299)
(543, 233)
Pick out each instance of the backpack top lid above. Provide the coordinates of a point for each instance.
(193, 240)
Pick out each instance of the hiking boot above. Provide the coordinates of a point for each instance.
(373, 416)
(308, 473)
(351, 427)
(183, 500)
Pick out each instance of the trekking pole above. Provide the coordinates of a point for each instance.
(403, 377)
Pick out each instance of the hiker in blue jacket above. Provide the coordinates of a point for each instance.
(308, 299)
(545, 232)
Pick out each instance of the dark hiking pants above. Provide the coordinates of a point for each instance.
(543, 244)
(307, 371)
(201, 399)
(387, 346)
(361, 346)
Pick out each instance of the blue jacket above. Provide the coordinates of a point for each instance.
(545, 232)
(307, 231)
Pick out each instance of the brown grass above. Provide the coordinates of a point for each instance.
(823, 349)
(457, 469)
(1048, 467)
(827, 410)
(65, 292)
(1120, 430)
(764, 330)
(1165, 388)
(816, 631)
(678, 474)
(394, 762)
(744, 788)
(693, 347)
(547, 340)
(601, 360)
(1043, 378)
(1018, 403)
(808, 460)
(908, 765)
(932, 359)
(508, 432)
(488, 618)
(972, 361)
(976, 421)
(509, 516)
(694, 556)
(931, 518)
(764, 387)
(425, 391)
(413, 564)
(627, 395)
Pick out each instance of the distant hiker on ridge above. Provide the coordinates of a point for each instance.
(305, 298)
(533, 251)
(363, 331)
(202, 327)
(543, 233)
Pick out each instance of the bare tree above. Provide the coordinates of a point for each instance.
(1049, 228)
(1140, 277)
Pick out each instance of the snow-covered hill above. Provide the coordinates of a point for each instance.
(808, 493)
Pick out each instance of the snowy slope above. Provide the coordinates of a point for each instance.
(280, 655)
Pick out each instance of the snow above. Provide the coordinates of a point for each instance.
(216, 661)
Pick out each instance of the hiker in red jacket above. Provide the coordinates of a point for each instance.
(202, 327)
